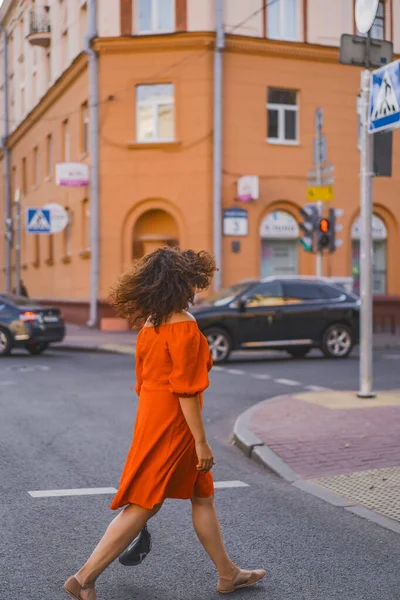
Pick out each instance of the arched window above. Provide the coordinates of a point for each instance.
(279, 234)
(379, 265)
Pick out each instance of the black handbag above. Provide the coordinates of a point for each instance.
(137, 550)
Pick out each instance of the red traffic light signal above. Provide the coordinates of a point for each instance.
(324, 225)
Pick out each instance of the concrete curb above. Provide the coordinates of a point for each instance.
(253, 447)
(105, 348)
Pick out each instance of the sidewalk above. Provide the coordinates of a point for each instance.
(334, 445)
(84, 339)
(124, 342)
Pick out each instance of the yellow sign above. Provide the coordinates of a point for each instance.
(320, 193)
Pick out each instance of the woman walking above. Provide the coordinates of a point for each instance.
(169, 456)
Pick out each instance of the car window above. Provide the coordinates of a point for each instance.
(265, 294)
(331, 292)
(226, 295)
(299, 291)
(17, 300)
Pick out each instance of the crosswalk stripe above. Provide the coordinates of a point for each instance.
(110, 490)
(235, 371)
(287, 381)
(260, 376)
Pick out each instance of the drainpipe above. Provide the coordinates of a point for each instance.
(7, 170)
(94, 162)
(217, 153)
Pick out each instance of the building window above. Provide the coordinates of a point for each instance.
(65, 141)
(155, 113)
(378, 28)
(49, 155)
(24, 177)
(283, 20)
(36, 250)
(379, 260)
(48, 68)
(22, 102)
(34, 87)
(155, 16)
(85, 128)
(50, 249)
(36, 173)
(282, 108)
(86, 234)
(67, 235)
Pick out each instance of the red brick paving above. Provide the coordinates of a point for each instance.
(317, 442)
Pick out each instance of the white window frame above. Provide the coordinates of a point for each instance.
(281, 108)
(154, 19)
(282, 20)
(155, 104)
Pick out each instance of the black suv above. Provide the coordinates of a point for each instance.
(292, 314)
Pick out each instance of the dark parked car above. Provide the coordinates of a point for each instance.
(292, 314)
(24, 324)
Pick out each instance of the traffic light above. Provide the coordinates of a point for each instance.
(327, 230)
(309, 226)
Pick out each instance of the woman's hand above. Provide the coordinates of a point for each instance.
(205, 456)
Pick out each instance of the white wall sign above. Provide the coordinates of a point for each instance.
(247, 188)
(279, 225)
(379, 231)
(58, 217)
(72, 174)
(236, 222)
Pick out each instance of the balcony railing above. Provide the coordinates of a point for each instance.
(39, 27)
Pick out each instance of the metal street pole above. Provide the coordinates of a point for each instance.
(94, 163)
(366, 176)
(7, 168)
(318, 258)
(217, 153)
(17, 203)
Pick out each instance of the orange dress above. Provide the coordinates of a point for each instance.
(172, 363)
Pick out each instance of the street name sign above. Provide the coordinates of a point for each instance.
(236, 222)
(321, 193)
(38, 220)
(384, 108)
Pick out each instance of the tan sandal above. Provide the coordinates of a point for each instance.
(238, 582)
(73, 587)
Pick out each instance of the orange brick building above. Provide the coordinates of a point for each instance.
(156, 155)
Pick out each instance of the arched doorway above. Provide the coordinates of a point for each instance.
(153, 229)
(279, 234)
(379, 263)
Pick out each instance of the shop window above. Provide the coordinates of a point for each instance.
(283, 20)
(85, 128)
(379, 257)
(279, 234)
(155, 16)
(282, 109)
(155, 119)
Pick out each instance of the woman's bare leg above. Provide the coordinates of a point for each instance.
(119, 534)
(207, 527)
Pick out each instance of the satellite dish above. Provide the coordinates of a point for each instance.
(366, 11)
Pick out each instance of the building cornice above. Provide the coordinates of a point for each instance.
(58, 88)
(291, 50)
(148, 43)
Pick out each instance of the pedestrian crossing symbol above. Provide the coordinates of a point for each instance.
(38, 220)
(385, 98)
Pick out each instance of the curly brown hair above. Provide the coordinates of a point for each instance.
(161, 284)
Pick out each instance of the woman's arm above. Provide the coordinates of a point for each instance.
(192, 413)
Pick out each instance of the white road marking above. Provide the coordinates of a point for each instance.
(229, 484)
(218, 368)
(235, 371)
(391, 356)
(287, 381)
(110, 490)
(318, 388)
(260, 376)
(76, 492)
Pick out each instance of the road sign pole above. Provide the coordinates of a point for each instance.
(17, 203)
(366, 174)
(318, 263)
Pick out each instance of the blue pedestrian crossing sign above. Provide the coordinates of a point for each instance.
(384, 108)
(38, 220)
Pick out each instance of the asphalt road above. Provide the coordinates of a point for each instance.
(66, 422)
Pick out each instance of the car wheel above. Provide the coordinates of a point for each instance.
(299, 352)
(220, 344)
(337, 341)
(5, 342)
(37, 348)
